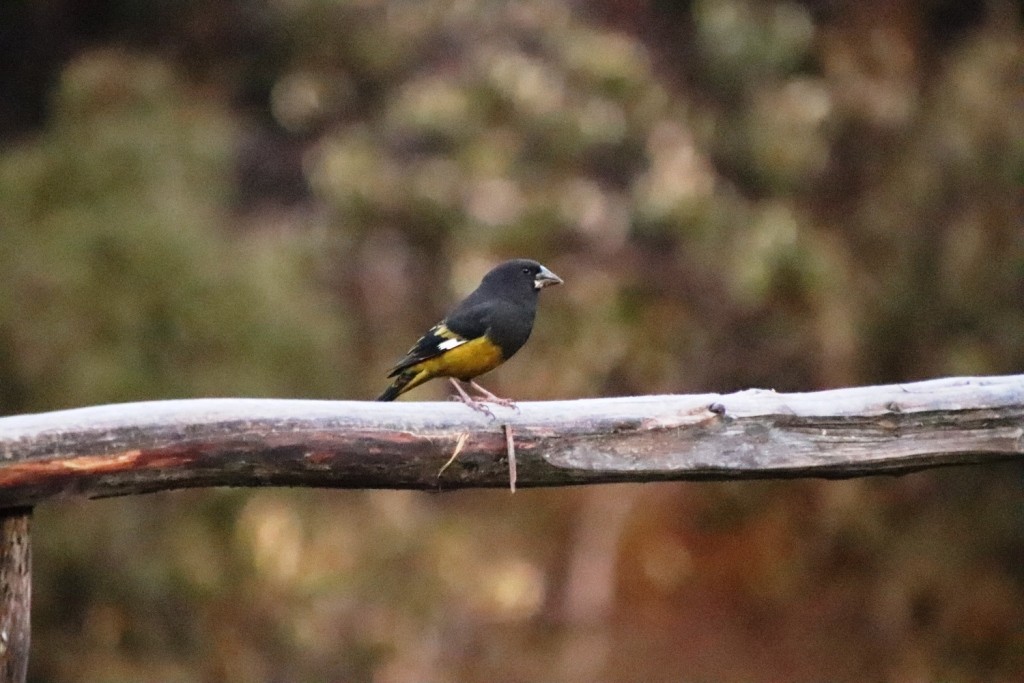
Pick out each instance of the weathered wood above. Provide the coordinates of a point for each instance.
(15, 593)
(143, 447)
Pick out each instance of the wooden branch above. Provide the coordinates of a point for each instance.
(143, 447)
(15, 594)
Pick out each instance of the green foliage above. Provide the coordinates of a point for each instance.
(122, 281)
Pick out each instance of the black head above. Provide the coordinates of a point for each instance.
(521, 276)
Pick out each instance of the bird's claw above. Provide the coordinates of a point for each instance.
(492, 398)
(480, 407)
(503, 402)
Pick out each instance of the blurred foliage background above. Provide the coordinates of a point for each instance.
(273, 198)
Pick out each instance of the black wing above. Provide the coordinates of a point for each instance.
(462, 325)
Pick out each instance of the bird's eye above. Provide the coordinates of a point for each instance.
(526, 270)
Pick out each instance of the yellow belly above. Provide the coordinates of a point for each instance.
(465, 361)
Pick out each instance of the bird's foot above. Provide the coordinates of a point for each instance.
(491, 398)
(480, 407)
(476, 405)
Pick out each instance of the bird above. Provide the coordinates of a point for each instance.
(479, 334)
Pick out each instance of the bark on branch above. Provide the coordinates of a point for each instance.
(143, 447)
(15, 593)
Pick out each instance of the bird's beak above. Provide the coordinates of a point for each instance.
(545, 278)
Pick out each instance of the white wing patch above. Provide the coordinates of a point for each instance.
(450, 344)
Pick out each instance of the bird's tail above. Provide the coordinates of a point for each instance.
(400, 385)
